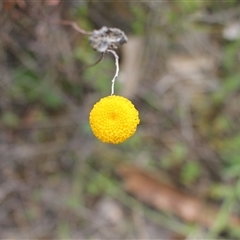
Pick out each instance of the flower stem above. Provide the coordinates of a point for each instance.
(117, 69)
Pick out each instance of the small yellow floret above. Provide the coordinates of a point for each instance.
(114, 119)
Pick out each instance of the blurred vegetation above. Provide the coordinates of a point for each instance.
(55, 175)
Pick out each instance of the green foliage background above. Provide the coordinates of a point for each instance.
(54, 172)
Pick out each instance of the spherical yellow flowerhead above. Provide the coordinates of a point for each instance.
(114, 119)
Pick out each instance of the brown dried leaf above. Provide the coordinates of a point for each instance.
(131, 65)
(167, 198)
(8, 5)
(52, 2)
(21, 3)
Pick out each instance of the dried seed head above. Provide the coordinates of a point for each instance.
(107, 39)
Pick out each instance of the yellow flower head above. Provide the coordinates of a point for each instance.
(114, 119)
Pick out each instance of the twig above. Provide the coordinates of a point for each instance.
(74, 25)
(98, 61)
(93, 64)
(117, 69)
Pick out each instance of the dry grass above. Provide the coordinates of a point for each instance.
(56, 179)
